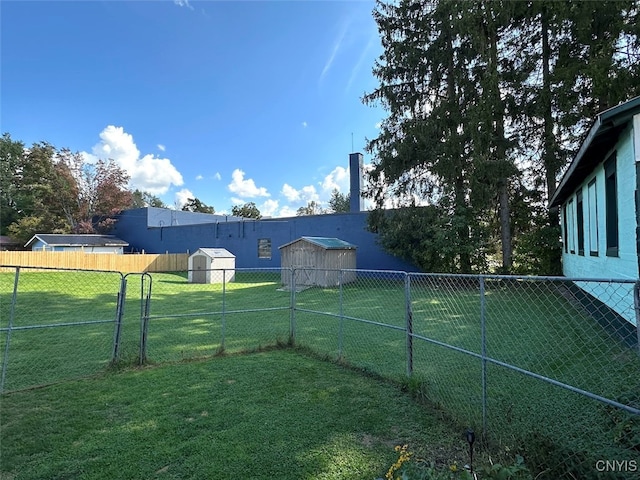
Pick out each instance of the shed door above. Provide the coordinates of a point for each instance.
(199, 269)
(303, 260)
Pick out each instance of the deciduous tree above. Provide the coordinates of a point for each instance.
(196, 205)
(145, 199)
(248, 210)
(311, 208)
(46, 190)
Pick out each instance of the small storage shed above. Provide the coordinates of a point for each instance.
(212, 265)
(317, 261)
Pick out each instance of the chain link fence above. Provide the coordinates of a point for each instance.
(56, 325)
(245, 310)
(549, 366)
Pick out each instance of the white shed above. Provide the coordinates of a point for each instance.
(317, 261)
(212, 265)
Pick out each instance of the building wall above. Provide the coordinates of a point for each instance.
(157, 217)
(625, 265)
(601, 266)
(241, 238)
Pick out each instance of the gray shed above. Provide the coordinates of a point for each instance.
(212, 265)
(317, 261)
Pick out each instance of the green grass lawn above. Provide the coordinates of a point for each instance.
(275, 414)
(529, 325)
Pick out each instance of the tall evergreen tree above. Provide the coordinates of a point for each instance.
(442, 81)
(487, 102)
(423, 147)
(576, 59)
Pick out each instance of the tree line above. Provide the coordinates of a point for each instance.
(48, 190)
(487, 102)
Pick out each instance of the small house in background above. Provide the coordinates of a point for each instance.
(53, 242)
(317, 261)
(212, 265)
(8, 243)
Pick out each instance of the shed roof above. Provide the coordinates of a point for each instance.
(327, 243)
(602, 136)
(215, 252)
(64, 240)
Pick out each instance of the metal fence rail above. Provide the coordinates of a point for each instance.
(523, 360)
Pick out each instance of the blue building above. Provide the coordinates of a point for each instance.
(255, 243)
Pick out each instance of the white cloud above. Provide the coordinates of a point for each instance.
(182, 197)
(161, 147)
(287, 211)
(304, 124)
(148, 173)
(217, 176)
(269, 208)
(183, 3)
(304, 195)
(309, 193)
(290, 193)
(199, 177)
(338, 179)
(334, 51)
(362, 60)
(245, 188)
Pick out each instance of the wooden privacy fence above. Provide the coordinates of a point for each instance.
(127, 263)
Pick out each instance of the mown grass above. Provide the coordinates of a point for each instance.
(275, 414)
(531, 326)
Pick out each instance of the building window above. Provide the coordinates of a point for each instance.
(570, 227)
(580, 221)
(264, 248)
(592, 205)
(566, 230)
(611, 205)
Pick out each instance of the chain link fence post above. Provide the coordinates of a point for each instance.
(14, 299)
(483, 335)
(292, 316)
(408, 323)
(636, 305)
(117, 335)
(224, 311)
(145, 306)
(341, 310)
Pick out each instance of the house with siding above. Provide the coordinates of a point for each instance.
(599, 206)
(51, 242)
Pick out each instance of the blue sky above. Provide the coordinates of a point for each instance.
(226, 101)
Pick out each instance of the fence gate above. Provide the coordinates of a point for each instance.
(60, 324)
